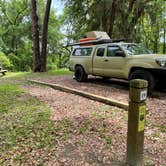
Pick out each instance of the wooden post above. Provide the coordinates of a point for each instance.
(136, 122)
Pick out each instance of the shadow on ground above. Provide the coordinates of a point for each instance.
(120, 84)
(158, 92)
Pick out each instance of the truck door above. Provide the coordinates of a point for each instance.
(98, 61)
(115, 61)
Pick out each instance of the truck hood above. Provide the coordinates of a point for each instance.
(151, 56)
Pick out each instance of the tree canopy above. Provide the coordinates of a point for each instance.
(134, 20)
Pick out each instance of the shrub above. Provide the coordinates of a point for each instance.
(21, 62)
(15, 60)
(5, 62)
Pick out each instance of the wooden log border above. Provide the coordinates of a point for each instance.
(101, 99)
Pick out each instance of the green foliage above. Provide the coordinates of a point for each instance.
(16, 33)
(21, 62)
(136, 21)
(150, 28)
(5, 62)
(15, 60)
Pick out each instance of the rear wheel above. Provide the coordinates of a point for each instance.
(145, 75)
(80, 74)
(160, 85)
(105, 78)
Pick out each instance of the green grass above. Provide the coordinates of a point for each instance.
(24, 120)
(16, 74)
(7, 94)
(57, 72)
(22, 77)
(25, 124)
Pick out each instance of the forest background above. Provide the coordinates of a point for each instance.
(140, 21)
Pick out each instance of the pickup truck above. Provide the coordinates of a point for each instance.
(118, 60)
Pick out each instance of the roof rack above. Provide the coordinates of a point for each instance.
(96, 42)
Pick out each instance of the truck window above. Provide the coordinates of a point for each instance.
(86, 51)
(82, 52)
(77, 52)
(100, 52)
(111, 52)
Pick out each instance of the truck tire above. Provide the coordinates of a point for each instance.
(145, 75)
(106, 78)
(80, 74)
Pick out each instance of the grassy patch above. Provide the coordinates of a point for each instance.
(18, 75)
(22, 77)
(59, 72)
(25, 124)
(26, 129)
(7, 93)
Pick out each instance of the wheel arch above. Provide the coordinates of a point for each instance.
(80, 66)
(80, 74)
(138, 68)
(143, 73)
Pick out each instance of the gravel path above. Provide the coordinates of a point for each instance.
(78, 108)
(118, 90)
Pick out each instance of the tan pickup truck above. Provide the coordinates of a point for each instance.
(118, 60)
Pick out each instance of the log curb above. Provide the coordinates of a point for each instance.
(101, 99)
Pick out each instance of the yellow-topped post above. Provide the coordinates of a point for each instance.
(136, 122)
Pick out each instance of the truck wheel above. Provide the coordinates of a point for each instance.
(80, 74)
(105, 78)
(160, 84)
(145, 75)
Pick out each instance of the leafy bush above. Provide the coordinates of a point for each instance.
(52, 66)
(5, 62)
(21, 62)
(15, 60)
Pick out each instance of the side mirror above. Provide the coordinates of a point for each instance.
(120, 53)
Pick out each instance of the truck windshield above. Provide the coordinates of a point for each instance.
(135, 49)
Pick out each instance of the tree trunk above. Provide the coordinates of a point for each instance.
(112, 18)
(36, 47)
(164, 43)
(44, 37)
(104, 18)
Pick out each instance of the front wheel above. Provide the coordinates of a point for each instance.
(80, 74)
(145, 75)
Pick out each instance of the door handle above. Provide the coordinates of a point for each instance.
(105, 60)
